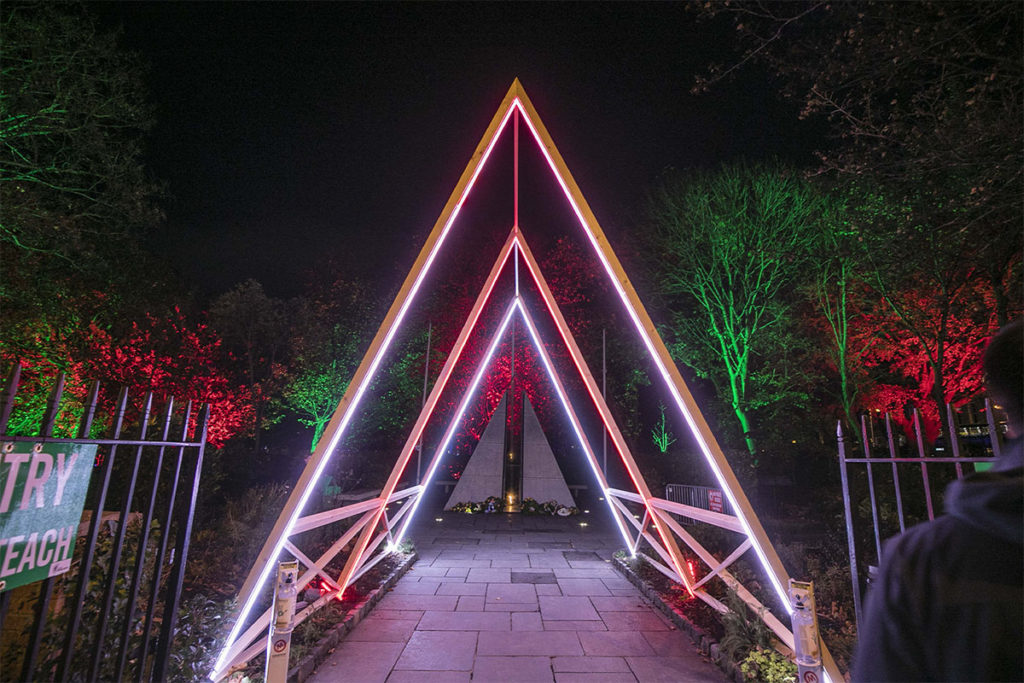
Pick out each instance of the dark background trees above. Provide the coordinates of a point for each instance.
(923, 103)
(915, 235)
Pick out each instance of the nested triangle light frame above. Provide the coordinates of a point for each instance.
(374, 526)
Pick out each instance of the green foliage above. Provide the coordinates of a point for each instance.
(727, 247)
(72, 117)
(768, 666)
(744, 632)
(661, 437)
(199, 633)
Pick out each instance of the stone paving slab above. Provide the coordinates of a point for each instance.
(514, 599)
(634, 621)
(464, 621)
(439, 651)
(509, 592)
(429, 677)
(587, 587)
(471, 603)
(673, 669)
(615, 643)
(419, 602)
(384, 630)
(620, 604)
(359, 662)
(527, 621)
(522, 669)
(569, 625)
(595, 678)
(480, 575)
(590, 665)
(545, 643)
(534, 577)
(570, 608)
(462, 588)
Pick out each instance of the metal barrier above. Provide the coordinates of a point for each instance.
(703, 497)
(885, 469)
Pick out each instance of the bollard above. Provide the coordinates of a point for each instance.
(280, 640)
(805, 632)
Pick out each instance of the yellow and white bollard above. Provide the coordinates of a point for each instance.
(280, 641)
(805, 632)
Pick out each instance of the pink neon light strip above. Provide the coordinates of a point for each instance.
(463, 405)
(705, 449)
(577, 427)
(516, 304)
(360, 390)
(599, 401)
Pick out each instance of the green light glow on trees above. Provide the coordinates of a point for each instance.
(728, 247)
(660, 435)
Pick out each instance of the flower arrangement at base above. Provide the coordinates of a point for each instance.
(492, 504)
(532, 507)
(529, 507)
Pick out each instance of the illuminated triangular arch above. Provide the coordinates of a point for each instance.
(241, 647)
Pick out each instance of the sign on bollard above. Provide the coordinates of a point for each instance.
(805, 632)
(280, 640)
(42, 493)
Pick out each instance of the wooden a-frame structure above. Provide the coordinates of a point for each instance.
(373, 525)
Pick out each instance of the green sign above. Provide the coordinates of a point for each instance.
(42, 493)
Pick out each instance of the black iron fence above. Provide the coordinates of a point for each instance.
(112, 614)
(897, 481)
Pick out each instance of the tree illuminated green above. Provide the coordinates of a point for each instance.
(72, 118)
(728, 246)
(326, 345)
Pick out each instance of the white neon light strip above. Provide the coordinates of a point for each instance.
(598, 400)
(591, 459)
(517, 304)
(657, 359)
(361, 389)
(457, 420)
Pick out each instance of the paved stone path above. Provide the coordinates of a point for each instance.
(518, 599)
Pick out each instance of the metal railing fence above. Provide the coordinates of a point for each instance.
(112, 616)
(897, 489)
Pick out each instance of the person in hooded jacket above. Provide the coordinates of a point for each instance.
(948, 603)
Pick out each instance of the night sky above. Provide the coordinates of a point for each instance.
(291, 133)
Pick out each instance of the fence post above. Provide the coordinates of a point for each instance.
(851, 546)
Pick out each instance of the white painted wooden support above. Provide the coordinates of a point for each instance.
(735, 555)
(627, 495)
(659, 566)
(729, 522)
(396, 518)
(639, 536)
(312, 568)
(320, 519)
(665, 556)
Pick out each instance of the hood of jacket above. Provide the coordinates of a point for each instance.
(992, 501)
